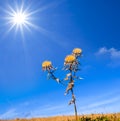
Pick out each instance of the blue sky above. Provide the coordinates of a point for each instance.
(59, 28)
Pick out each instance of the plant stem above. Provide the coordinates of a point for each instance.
(75, 108)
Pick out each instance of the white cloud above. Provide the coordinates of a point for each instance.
(103, 106)
(112, 54)
(8, 114)
(102, 50)
(50, 110)
(104, 102)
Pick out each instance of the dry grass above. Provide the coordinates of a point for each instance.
(91, 117)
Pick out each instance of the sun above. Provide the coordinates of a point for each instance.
(19, 18)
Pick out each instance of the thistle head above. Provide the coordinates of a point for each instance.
(77, 52)
(46, 65)
(69, 59)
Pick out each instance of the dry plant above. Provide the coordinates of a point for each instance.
(90, 117)
(71, 65)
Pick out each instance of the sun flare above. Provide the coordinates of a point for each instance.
(20, 18)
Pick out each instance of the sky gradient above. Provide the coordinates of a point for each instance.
(61, 26)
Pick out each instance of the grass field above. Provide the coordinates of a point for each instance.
(91, 117)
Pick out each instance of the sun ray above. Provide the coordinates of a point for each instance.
(22, 33)
(22, 7)
(11, 28)
(18, 18)
(12, 11)
(21, 17)
(31, 25)
(27, 27)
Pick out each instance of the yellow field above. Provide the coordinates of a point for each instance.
(91, 117)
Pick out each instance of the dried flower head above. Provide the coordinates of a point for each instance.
(46, 65)
(77, 51)
(70, 59)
